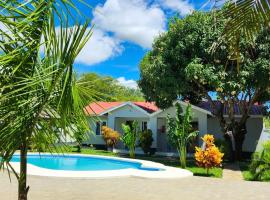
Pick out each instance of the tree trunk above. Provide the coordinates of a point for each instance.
(239, 137)
(183, 156)
(22, 187)
(230, 155)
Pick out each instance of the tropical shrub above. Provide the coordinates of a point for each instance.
(146, 140)
(130, 136)
(209, 156)
(180, 131)
(260, 164)
(110, 136)
(223, 146)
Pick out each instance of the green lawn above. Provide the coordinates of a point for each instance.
(169, 161)
(191, 165)
(68, 149)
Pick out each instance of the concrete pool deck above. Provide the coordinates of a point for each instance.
(164, 172)
(132, 188)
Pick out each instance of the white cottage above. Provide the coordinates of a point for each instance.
(149, 116)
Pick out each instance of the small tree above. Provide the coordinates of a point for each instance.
(130, 136)
(209, 156)
(146, 140)
(110, 136)
(180, 131)
(260, 165)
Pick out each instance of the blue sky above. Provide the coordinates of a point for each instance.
(124, 31)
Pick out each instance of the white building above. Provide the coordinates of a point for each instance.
(149, 116)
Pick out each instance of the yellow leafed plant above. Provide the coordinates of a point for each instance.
(110, 136)
(209, 156)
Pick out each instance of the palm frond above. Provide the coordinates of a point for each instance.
(247, 18)
(40, 97)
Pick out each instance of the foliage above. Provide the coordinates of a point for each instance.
(108, 89)
(41, 142)
(180, 131)
(182, 65)
(266, 121)
(130, 137)
(209, 156)
(79, 136)
(110, 136)
(260, 164)
(223, 146)
(39, 90)
(145, 140)
(246, 18)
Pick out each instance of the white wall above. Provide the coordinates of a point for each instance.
(114, 121)
(254, 128)
(92, 137)
(198, 116)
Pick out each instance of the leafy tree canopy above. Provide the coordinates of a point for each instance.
(182, 64)
(185, 62)
(106, 88)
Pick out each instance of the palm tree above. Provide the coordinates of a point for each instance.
(39, 95)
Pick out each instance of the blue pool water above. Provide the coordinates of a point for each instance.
(80, 163)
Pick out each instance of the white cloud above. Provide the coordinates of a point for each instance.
(99, 48)
(184, 7)
(127, 83)
(131, 20)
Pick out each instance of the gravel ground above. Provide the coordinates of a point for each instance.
(44, 188)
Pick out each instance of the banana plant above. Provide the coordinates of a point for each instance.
(180, 131)
(130, 137)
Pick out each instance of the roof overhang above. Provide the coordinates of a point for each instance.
(184, 104)
(125, 104)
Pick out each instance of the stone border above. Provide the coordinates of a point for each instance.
(165, 172)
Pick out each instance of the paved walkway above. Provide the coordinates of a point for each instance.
(192, 188)
(232, 172)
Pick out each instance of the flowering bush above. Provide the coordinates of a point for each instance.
(209, 156)
(110, 136)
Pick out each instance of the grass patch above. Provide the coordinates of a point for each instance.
(191, 165)
(73, 150)
(244, 167)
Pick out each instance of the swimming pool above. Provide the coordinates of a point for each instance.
(94, 166)
(81, 163)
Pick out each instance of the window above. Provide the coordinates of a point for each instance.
(144, 126)
(99, 126)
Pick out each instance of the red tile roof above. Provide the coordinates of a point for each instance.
(149, 107)
(97, 108)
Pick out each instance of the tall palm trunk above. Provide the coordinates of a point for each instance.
(22, 182)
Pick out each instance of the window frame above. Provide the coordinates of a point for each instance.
(101, 123)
